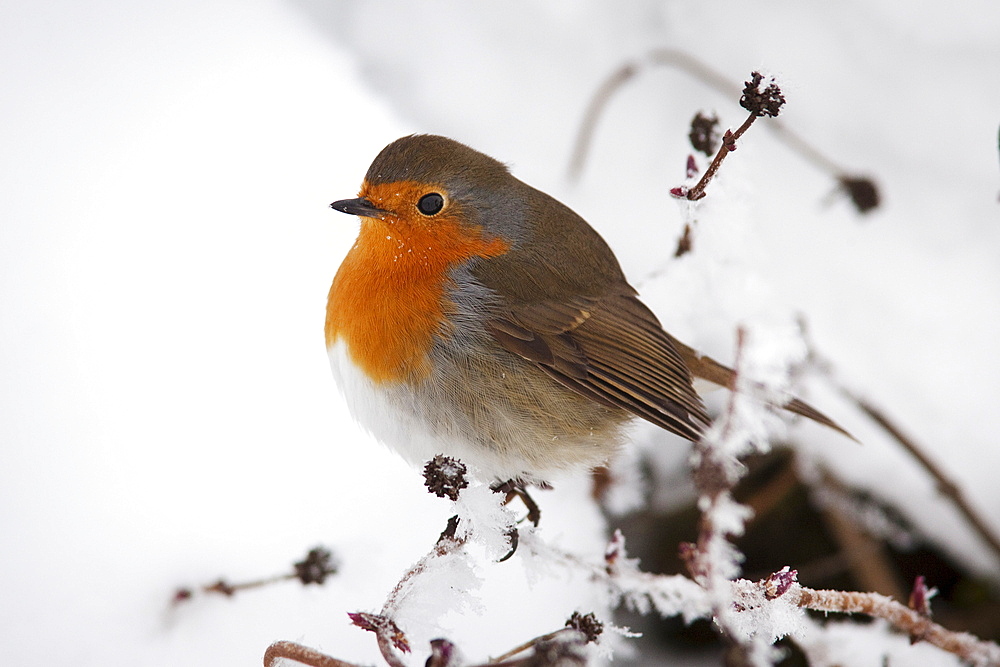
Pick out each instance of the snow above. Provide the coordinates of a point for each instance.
(167, 412)
(845, 643)
(483, 518)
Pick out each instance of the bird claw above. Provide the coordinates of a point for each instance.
(515, 489)
(514, 538)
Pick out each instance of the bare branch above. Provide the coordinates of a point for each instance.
(946, 486)
(318, 564)
(761, 98)
(584, 136)
(866, 555)
(302, 654)
(862, 190)
(728, 146)
(531, 644)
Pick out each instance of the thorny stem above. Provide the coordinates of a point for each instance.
(863, 552)
(734, 390)
(715, 484)
(314, 658)
(899, 616)
(710, 477)
(387, 641)
(225, 588)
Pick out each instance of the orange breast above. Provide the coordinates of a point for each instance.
(387, 300)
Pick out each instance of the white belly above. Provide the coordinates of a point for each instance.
(399, 419)
(498, 438)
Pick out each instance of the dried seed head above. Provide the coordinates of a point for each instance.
(586, 624)
(445, 477)
(862, 191)
(317, 566)
(704, 134)
(762, 98)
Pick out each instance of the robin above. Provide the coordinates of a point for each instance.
(478, 317)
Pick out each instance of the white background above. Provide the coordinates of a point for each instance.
(167, 414)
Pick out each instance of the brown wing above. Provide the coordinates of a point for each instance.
(611, 349)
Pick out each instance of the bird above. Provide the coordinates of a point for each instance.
(480, 318)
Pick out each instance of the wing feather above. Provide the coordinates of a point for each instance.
(612, 350)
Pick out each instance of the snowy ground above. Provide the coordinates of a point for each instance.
(165, 251)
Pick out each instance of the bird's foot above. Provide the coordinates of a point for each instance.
(514, 538)
(516, 489)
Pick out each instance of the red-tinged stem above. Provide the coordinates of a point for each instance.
(302, 654)
(728, 145)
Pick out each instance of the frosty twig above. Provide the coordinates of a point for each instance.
(714, 561)
(676, 595)
(917, 625)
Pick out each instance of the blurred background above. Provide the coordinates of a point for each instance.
(167, 415)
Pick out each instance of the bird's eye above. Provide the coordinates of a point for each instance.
(431, 204)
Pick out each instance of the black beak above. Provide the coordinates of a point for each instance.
(359, 206)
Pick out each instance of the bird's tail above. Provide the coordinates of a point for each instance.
(711, 371)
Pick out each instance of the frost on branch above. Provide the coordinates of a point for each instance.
(751, 614)
(642, 592)
(485, 520)
(444, 580)
(749, 618)
(479, 513)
